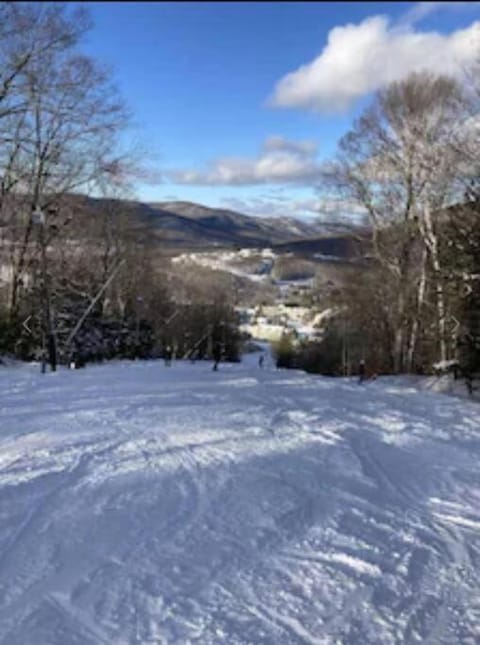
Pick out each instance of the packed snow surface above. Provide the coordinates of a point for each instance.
(147, 504)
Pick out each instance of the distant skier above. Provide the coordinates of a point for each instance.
(168, 356)
(261, 361)
(77, 360)
(217, 356)
(361, 371)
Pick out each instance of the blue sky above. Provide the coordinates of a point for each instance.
(224, 124)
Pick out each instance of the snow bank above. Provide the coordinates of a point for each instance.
(444, 384)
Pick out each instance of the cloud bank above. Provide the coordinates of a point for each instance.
(361, 58)
(280, 161)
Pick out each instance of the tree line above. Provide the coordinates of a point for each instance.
(411, 165)
(77, 283)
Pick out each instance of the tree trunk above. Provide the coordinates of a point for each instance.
(399, 336)
(432, 245)
(49, 330)
(418, 314)
(398, 351)
(18, 268)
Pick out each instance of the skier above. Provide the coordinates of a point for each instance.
(217, 355)
(361, 371)
(261, 360)
(168, 356)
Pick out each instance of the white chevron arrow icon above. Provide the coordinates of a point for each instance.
(24, 324)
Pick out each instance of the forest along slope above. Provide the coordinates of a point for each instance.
(140, 503)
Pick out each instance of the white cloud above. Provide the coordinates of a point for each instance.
(279, 161)
(362, 58)
(318, 209)
(422, 10)
(280, 144)
(268, 207)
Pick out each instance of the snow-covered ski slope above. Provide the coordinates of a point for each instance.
(145, 504)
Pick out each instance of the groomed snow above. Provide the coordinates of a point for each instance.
(145, 504)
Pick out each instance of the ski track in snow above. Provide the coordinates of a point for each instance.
(144, 504)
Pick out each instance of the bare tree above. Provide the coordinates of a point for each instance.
(399, 165)
(29, 34)
(61, 118)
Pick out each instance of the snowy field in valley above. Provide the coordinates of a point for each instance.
(145, 504)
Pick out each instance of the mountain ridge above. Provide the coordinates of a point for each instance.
(188, 224)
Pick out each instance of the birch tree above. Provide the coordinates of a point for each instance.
(399, 165)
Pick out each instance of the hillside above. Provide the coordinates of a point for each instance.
(227, 220)
(145, 504)
(184, 224)
(338, 246)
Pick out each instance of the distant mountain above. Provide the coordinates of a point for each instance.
(296, 227)
(241, 229)
(185, 225)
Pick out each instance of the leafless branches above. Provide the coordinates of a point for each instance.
(404, 163)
